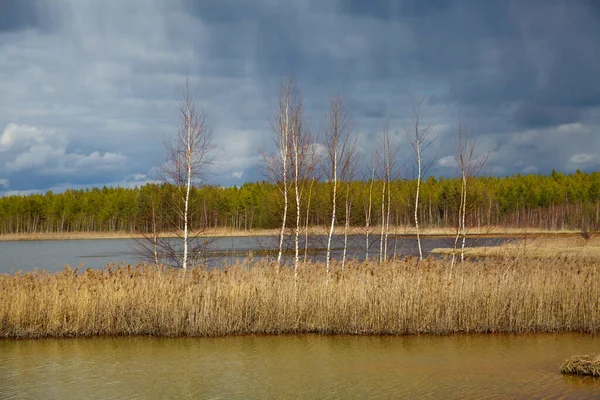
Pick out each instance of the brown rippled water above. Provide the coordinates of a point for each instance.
(297, 367)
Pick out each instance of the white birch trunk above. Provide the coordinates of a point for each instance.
(346, 226)
(381, 259)
(368, 217)
(418, 154)
(297, 193)
(307, 220)
(463, 218)
(188, 185)
(154, 235)
(460, 223)
(387, 217)
(333, 211)
(284, 149)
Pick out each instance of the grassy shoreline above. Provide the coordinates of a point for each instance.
(398, 298)
(535, 247)
(224, 232)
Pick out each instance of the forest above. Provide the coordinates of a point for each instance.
(551, 202)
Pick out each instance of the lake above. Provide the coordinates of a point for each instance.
(296, 367)
(270, 367)
(53, 255)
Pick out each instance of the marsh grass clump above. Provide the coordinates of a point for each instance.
(587, 364)
(508, 296)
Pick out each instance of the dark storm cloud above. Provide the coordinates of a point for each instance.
(543, 60)
(506, 65)
(280, 47)
(18, 14)
(224, 11)
(391, 9)
(537, 115)
(275, 38)
(106, 78)
(541, 57)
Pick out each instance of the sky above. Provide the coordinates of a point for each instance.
(89, 88)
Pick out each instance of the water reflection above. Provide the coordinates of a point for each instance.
(269, 367)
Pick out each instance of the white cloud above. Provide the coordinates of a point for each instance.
(447, 162)
(236, 153)
(4, 182)
(19, 136)
(97, 160)
(576, 127)
(46, 151)
(36, 156)
(584, 158)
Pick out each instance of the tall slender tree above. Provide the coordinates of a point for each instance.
(340, 148)
(420, 139)
(386, 155)
(277, 166)
(189, 154)
(368, 208)
(313, 163)
(288, 166)
(302, 147)
(469, 166)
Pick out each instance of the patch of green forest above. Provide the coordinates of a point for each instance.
(555, 201)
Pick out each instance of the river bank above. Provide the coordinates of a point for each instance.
(397, 298)
(313, 231)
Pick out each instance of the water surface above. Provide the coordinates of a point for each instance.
(297, 367)
(53, 255)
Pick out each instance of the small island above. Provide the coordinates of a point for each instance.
(587, 364)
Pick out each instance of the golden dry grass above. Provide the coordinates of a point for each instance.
(511, 296)
(538, 247)
(588, 364)
(213, 232)
(313, 230)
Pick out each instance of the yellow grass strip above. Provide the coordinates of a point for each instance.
(365, 298)
(314, 230)
(125, 235)
(541, 247)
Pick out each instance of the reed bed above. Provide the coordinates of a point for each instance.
(398, 298)
(587, 364)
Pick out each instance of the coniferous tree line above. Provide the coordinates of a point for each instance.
(553, 202)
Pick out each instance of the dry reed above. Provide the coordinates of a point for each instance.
(538, 247)
(588, 364)
(365, 298)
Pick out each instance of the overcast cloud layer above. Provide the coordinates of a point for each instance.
(89, 87)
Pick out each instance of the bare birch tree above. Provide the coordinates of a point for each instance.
(420, 139)
(289, 167)
(312, 177)
(302, 146)
(189, 154)
(469, 167)
(340, 149)
(148, 244)
(386, 155)
(277, 166)
(369, 208)
(348, 210)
